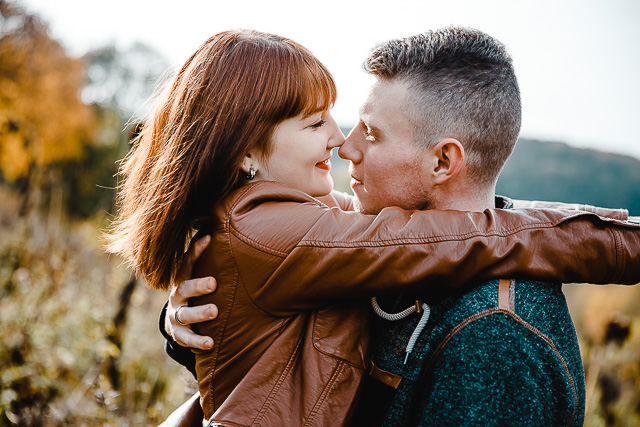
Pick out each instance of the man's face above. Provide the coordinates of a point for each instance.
(388, 168)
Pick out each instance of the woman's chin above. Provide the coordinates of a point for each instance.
(320, 189)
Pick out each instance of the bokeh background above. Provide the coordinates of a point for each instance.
(78, 333)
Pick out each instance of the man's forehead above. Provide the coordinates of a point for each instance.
(386, 102)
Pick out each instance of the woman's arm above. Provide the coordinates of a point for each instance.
(295, 254)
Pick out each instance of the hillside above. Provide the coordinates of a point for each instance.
(540, 170)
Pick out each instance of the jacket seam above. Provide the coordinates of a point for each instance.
(327, 389)
(495, 310)
(238, 280)
(224, 329)
(285, 372)
(620, 262)
(240, 197)
(255, 244)
(435, 239)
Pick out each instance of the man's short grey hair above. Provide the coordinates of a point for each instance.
(463, 86)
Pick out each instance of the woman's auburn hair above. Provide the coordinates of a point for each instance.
(226, 99)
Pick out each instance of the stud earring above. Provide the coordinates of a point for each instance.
(251, 174)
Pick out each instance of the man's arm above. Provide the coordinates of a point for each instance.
(179, 337)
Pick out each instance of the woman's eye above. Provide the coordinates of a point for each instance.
(318, 124)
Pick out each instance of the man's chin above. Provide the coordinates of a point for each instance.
(364, 208)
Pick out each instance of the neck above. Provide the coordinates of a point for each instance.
(473, 201)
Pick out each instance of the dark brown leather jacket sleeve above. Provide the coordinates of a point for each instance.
(310, 254)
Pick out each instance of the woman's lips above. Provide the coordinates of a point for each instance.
(325, 165)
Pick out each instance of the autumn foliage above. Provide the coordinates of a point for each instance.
(42, 119)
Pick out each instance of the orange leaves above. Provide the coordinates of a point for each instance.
(42, 119)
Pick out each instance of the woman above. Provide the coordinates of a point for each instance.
(239, 148)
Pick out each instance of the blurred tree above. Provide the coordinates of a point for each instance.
(123, 80)
(42, 119)
(65, 122)
(119, 84)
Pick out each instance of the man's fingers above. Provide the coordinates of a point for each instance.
(187, 338)
(201, 313)
(194, 253)
(201, 245)
(194, 288)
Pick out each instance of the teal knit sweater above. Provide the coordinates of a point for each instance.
(479, 361)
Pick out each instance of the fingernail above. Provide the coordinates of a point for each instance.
(208, 343)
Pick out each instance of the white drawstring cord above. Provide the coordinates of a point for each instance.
(426, 311)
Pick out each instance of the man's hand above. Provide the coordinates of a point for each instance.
(179, 301)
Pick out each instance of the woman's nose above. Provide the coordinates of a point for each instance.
(337, 137)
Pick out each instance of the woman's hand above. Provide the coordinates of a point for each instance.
(179, 315)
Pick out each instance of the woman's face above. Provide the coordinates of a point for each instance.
(301, 148)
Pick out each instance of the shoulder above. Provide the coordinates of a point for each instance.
(518, 350)
(269, 213)
(259, 193)
(498, 311)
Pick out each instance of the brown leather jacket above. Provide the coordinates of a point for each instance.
(282, 257)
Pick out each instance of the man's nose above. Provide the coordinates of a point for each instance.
(349, 149)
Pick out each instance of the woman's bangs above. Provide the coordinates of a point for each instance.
(316, 91)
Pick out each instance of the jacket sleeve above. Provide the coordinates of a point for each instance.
(182, 355)
(621, 214)
(300, 254)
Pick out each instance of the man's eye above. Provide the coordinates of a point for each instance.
(368, 135)
(318, 124)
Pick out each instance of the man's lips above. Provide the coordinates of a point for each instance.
(355, 182)
(325, 164)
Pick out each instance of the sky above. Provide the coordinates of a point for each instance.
(577, 61)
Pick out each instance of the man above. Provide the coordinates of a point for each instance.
(441, 119)
(447, 104)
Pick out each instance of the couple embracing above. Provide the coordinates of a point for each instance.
(424, 299)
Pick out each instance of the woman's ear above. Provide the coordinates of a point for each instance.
(247, 163)
(451, 158)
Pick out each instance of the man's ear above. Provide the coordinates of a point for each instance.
(451, 157)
